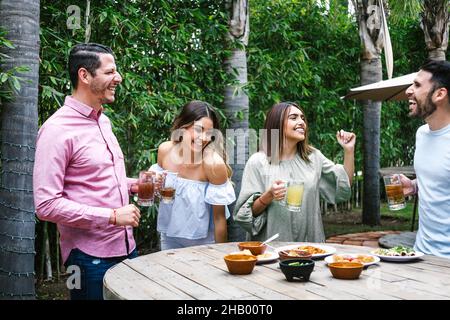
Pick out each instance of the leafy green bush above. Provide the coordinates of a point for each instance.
(168, 52)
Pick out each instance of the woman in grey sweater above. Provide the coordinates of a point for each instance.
(285, 155)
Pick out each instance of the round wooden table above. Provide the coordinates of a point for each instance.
(200, 273)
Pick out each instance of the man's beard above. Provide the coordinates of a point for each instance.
(102, 91)
(425, 109)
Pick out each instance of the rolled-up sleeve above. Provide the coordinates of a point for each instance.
(53, 153)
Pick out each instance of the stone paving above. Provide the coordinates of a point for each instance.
(368, 239)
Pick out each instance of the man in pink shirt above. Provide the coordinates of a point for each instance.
(79, 178)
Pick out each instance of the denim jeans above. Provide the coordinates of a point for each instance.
(92, 271)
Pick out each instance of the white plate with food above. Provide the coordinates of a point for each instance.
(317, 250)
(261, 258)
(397, 254)
(365, 259)
(267, 256)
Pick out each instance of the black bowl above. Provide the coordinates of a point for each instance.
(297, 268)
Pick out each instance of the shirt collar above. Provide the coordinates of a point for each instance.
(82, 108)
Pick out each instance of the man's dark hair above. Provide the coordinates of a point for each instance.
(440, 71)
(85, 55)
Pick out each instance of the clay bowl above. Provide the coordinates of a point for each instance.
(240, 263)
(299, 254)
(297, 268)
(346, 270)
(255, 247)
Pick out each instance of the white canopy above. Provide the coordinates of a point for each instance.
(386, 90)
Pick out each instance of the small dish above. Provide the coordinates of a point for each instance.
(365, 259)
(255, 247)
(240, 263)
(297, 268)
(294, 254)
(346, 270)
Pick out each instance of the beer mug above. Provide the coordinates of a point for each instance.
(146, 188)
(394, 192)
(169, 187)
(294, 195)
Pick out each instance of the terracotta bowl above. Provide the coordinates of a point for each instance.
(240, 263)
(346, 270)
(297, 268)
(255, 247)
(299, 254)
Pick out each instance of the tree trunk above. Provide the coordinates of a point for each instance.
(47, 255)
(371, 72)
(87, 33)
(435, 17)
(236, 99)
(19, 121)
(371, 34)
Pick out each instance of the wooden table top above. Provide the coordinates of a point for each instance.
(199, 273)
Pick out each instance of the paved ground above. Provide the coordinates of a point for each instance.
(368, 239)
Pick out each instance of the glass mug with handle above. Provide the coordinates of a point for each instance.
(294, 195)
(168, 187)
(394, 192)
(146, 191)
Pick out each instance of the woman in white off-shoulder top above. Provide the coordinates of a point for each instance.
(199, 211)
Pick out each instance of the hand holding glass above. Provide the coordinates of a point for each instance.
(394, 192)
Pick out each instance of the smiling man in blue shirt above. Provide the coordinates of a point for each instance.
(429, 99)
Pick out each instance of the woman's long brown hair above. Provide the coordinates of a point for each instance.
(275, 122)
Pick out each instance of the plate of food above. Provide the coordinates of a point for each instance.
(261, 258)
(397, 254)
(317, 250)
(267, 256)
(365, 259)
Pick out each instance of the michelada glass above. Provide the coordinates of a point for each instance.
(169, 187)
(146, 187)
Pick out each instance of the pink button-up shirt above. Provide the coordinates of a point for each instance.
(79, 177)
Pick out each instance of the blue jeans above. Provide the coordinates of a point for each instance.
(92, 270)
